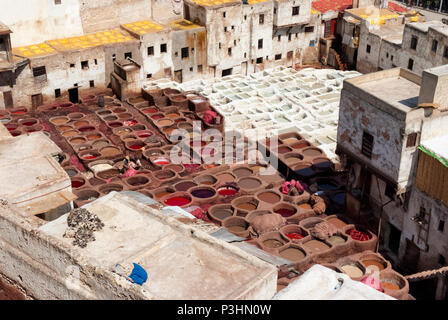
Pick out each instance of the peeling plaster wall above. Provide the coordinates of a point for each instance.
(284, 9)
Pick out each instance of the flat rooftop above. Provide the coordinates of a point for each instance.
(438, 146)
(143, 27)
(390, 33)
(212, 3)
(437, 25)
(182, 24)
(396, 87)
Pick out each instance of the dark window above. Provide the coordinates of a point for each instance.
(92, 84)
(226, 72)
(149, 76)
(114, 57)
(245, 17)
(233, 27)
(442, 260)
(394, 239)
(389, 191)
(72, 65)
(391, 58)
(275, 10)
(289, 37)
(176, 54)
(220, 45)
(312, 43)
(445, 52)
(387, 54)
(57, 93)
(441, 225)
(150, 51)
(163, 47)
(368, 48)
(412, 140)
(200, 68)
(309, 29)
(128, 55)
(57, 2)
(85, 65)
(191, 69)
(39, 72)
(260, 44)
(289, 54)
(245, 54)
(278, 56)
(234, 42)
(224, 14)
(96, 61)
(367, 145)
(410, 64)
(229, 51)
(435, 44)
(225, 29)
(259, 60)
(184, 53)
(279, 37)
(295, 11)
(414, 41)
(261, 19)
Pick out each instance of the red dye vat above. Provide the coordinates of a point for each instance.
(85, 129)
(144, 135)
(227, 192)
(358, 235)
(136, 146)
(29, 123)
(157, 116)
(90, 157)
(77, 184)
(115, 124)
(285, 212)
(129, 123)
(19, 112)
(177, 201)
(31, 130)
(161, 161)
(150, 110)
(294, 236)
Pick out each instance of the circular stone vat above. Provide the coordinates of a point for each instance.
(242, 172)
(125, 116)
(249, 183)
(373, 261)
(89, 155)
(28, 122)
(292, 253)
(70, 133)
(110, 151)
(322, 164)
(284, 149)
(144, 134)
(59, 120)
(15, 133)
(86, 129)
(206, 179)
(165, 174)
(203, 192)
(157, 116)
(312, 152)
(300, 145)
(178, 200)
(220, 212)
(227, 191)
(284, 209)
(87, 194)
(354, 270)
(225, 177)
(93, 136)
(160, 160)
(119, 110)
(110, 118)
(103, 113)
(237, 226)
(34, 129)
(78, 140)
(272, 240)
(269, 196)
(293, 158)
(150, 110)
(137, 181)
(115, 124)
(164, 122)
(78, 182)
(98, 144)
(81, 123)
(107, 174)
(184, 185)
(122, 131)
(76, 115)
(316, 246)
(135, 144)
(245, 204)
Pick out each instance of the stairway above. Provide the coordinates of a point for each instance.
(342, 66)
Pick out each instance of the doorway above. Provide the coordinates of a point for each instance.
(394, 239)
(36, 100)
(178, 76)
(7, 97)
(73, 95)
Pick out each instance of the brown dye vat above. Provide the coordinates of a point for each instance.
(124, 116)
(249, 183)
(110, 151)
(115, 124)
(175, 167)
(173, 115)
(338, 223)
(206, 179)
(138, 127)
(79, 124)
(390, 285)
(221, 213)
(78, 140)
(336, 240)
(136, 100)
(94, 136)
(292, 254)
(272, 243)
(110, 118)
(162, 194)
(300, 145)
(242, 172)
(305, 206)
(87, 195)
(248, 206)
(107, 174)
(293, 159)
(119, 110)
(226, 177)
(128, 137)
(59, 120)
(164, 174)
(76, 115)
(316, 245)
(352, 271)
(100, 144)
(185, 185)
(86, 129)
(165, 122)
(137, 181)
(70, 133)
(369, 262)
(290, 140)
(284, 149)
(122, 131)
(104, 112)
(312, 152)
(168, 131)
(63, 128)
(236, 229)
(269, 197)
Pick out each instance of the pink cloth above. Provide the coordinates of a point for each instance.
(131, 172)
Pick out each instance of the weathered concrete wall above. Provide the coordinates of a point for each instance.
(368, 61)
(284, 12)
(166, 10)
(100, 15)
(34, 21)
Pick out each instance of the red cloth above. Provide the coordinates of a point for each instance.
(210, 117)
(74, 161)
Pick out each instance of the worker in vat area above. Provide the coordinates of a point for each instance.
(130, 163)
